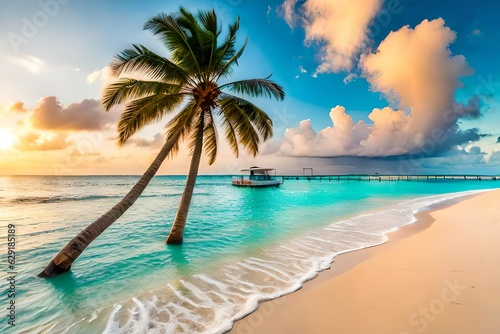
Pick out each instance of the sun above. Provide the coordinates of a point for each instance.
(6, 139)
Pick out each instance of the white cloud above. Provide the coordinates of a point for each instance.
(155, 142)
(102, 74)
(302, 70)
(495, 158)
(93, 76)
(50, 114)
(339, 27)
(30, 63)
(415, 69)
(350, 77)
(287, 11)
(36, 141)
(18, 106)
(269, 9)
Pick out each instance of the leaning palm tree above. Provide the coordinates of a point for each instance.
(190, 80)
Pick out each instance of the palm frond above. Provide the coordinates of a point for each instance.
(143, 111)
(212, 29)
(142, 60)
(126, 89)
(227, 50)
(230, 135)
(224, 53)
(259, 118)
(176, 40)
(202, 39)
(240, 122)
(225, 68)
(210, 138)
(182, 123)
(209, 21)
(196, 130)
(256, 88)
(198, 39)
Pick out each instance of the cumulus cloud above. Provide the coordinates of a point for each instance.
(18, 107)
(34, 141)
(339, 27)
(415, 70)
(102, 74)
(384, 137)
(86, 115)
(495, 158)
(458, 158)
(157, 141)
(471, 110)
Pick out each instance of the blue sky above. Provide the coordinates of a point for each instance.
(372, 85)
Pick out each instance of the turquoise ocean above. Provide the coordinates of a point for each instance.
(241, 246)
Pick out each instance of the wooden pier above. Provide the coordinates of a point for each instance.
(388, 178)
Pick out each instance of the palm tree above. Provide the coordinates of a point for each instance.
(190, 80)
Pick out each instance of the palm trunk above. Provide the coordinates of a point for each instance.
(62, 262)
(177, 231)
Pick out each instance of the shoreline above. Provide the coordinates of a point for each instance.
(308, 310)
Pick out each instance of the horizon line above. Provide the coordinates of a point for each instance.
(295, 175)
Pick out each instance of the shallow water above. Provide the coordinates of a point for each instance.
(241, 245)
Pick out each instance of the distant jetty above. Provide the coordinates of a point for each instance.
(388, 178)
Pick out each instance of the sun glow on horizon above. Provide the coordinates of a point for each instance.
(6, 139)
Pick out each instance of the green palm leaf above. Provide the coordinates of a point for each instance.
(257, 88)
(211, 26)
(210, 138)
(230, 135)
(200, 40)
(225, 68)
(209, 21)
(176, 40)
(140, 59)
(143, 111)
(126, 89)
(242, 125)
(227, 50)
(257, 116)
(182, 123)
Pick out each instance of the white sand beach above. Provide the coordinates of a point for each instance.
(438, 275)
